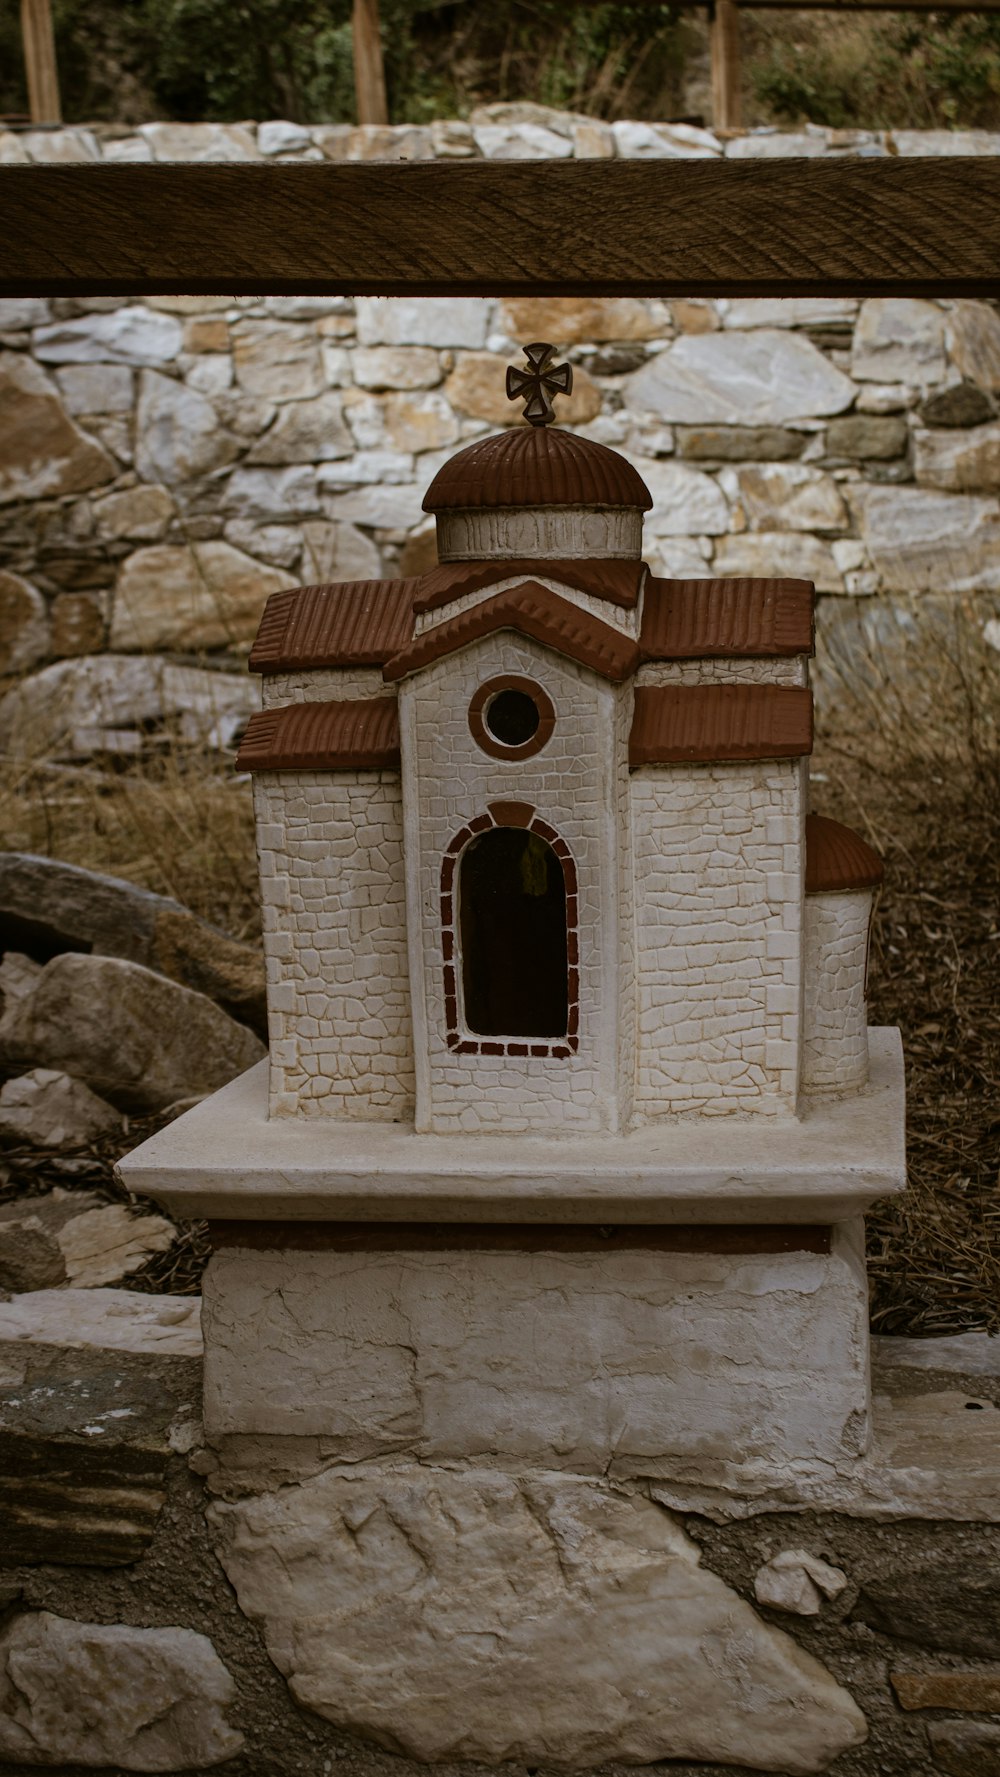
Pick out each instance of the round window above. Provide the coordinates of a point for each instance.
(511, 717)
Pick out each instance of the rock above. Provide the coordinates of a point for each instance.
(273, 493)
(211, 374)
(178, 436)
(63, 907)
(979, 1691)
(277, 359)
(50, 1110)
(42, 453)
(759, 378)
(104, 1320)
(769, 144)
(930, 542)
(77, 624)
(787, 555)
(389, 142)
(477, 387)
(206, 333)
(664, 141)
(106, 1694)
(899, 339)
(582, 320)
(883, 398)
(11, 151)
(420, 422)
(963, 1354)
(942, 142)
(24, 624)
(739, 444)
(451, 139)
(864, 435)
(62, 147)
(202, 595)
(305, 432)
(615, 360)
(798, 1582)
(788, 311)
(17, 312)
(520, 141)
(972, 335)
(966, 1748)
(686, 502)
(338, 552)
(135, 1037)
(365, 466)
(423, 321)
(785, 497)
(278, 544)
(110, 704)
(30, 1255)
(395, 367)
(127, 148)
(420, 554)
(963, 461)
(509, 112)
(199, 141)
(140, 513)
(279, 137)
(381, 508)
(96, 388)
(677, 558)
(104, 1245)
(136, 335)
(961, 404)
(539, 1619)
(18, 979)
(593, 140)
(954, 1608)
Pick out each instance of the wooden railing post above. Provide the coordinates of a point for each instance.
(40, 61)
(727, 111)
(369, 74)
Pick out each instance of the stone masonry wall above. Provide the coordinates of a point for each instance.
(835, 1036)
(165, 464)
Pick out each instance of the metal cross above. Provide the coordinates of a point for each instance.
(535, 385)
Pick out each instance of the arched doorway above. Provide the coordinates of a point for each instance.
(512, 921)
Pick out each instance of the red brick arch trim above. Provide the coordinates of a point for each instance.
(559, 1048)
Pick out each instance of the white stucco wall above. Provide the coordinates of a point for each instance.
(332, 889)
(719, 862)
(835, 1034)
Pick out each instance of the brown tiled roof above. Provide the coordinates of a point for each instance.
(355, 623)
(838, 859)
(693, 619)
(348, 736)
(536, 466)
(534, 611)
(714, 722)
(616, 581)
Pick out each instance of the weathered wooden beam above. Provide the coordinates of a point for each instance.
(714, 228)
(724, 43)
(40, 61)
(369, 73)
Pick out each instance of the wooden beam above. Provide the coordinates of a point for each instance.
(369, 73)
(848, 226)
(40, 61)
(724, 37)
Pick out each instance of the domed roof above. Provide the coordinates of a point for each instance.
(536, 466)
(837, 858)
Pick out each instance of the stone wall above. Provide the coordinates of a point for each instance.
(165, 464)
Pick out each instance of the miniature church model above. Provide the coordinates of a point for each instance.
(571, 1111)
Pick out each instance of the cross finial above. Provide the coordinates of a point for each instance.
(538, 383)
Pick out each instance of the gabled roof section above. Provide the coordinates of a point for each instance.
(676, 723)
(353, 623)
(696, 619)
(534, 611)
(353, 735)
(616, 581)
(838, 859)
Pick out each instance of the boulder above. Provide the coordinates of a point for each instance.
(583, 320)
(178, 435)
(191, 596)
(110, 1694)
(477, 387)
(136, 335)
(785, 497)
(135, 1037)
(57, 907)
(42, 453)
(279, 360)
(758, 378)
(539, 1619)
(423, 321)
(963, 461)
(305, 432)
(899, 339)
(48, 1109)
(113, 704)
(24, 624)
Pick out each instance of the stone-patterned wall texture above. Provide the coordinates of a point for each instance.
(835, 1034)
(165, 464)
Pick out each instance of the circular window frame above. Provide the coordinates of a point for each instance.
(480, 703)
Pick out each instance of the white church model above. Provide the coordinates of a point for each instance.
(571, 1113)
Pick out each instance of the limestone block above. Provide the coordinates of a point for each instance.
(867, 436)
(798, 1582)
(136, 335)
(686, 502)
(95, 388)
(178, 436)
(305, 432)
(280, 137)
(108, 703)
(476, 387)
(23, 311)
(963, 461)
(395, 367)
(389, 142)
(664, 141)
(104, 1320)
(275, 493)
(785, 497)
(540, 1619)
(520, 141)
(791, 554)
(960, 404)
(76, 1693)
(50, 1110)
(199, 141)
(452, 139)
(142, 514)
(278, 544)
(579, 320)
(941, 142)
(127, 148)
(279, 360)
(755, 444)
(950, 1608)
(42, 453)
(770, 144)
(12, 151)
(899, 339)
(105, 1245)
(380, 508)
(61, 147)
(763, 377)
(202, 595)
(334, 551)
(787, 311)
(24, 624)
(978, 1691)
(365, 468)
(966, 1748)
(589, 1355)
(423, 321)
(420, 422)
(972, 335)
(921, 541)
(593, 140)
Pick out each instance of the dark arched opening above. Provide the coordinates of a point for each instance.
(512, 928)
